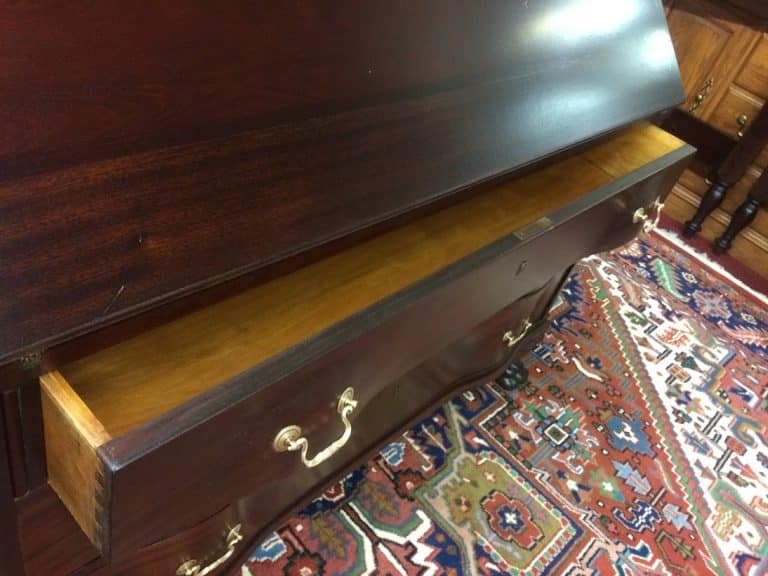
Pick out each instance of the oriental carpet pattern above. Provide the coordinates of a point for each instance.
(639, 446)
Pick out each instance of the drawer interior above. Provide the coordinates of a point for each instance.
(137, 380)
(112, 392)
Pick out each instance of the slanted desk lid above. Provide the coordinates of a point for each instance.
(151, 150)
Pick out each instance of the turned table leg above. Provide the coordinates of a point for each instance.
(709, 202)
(744, 214)
(731, 170)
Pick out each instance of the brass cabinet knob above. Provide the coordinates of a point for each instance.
(290, 438)
(741, 121)
(194, 568)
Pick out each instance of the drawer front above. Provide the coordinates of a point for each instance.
(754, 74)
(212, 545)
(170, 474)
(736, 111)
(481, 353)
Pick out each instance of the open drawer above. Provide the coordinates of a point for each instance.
(151, 436)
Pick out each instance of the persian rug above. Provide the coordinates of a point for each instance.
(639, 446)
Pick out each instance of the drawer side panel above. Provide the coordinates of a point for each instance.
(75, 471)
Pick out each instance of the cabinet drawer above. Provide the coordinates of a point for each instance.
(148, 438)
(754, 74)
(212, 545)
(736, 111)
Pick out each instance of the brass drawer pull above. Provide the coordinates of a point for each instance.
(702, 94)
(741, 120)
(641, 215)
(289, 439)
(193, 567)
(511, 339)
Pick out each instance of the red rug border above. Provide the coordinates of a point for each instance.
(740, 271)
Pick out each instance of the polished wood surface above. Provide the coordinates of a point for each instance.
(712, 146)
(736, 112)
(158, 156)
(754, 76)
(10, 415)
(703, 41)
(52, 544)
(189, 480)
(137, 381)
(10, 552)
(160, 470)
(138, 152)
(737, 46)
(711, 46)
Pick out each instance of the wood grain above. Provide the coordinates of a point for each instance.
(152, 152)
(136, 381)
(754, 74)
(629, 149)
(10, 551)
(734, 103)
(162, 470)
(701, 39)
(72, 436)
(710, 44)
(51, 541)
(14, 440)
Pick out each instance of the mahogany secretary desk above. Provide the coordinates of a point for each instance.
(243, 244)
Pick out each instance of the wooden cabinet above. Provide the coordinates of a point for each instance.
(178, 422)
(711, 48)
(724, 67)
(245, 244)
(160, 445)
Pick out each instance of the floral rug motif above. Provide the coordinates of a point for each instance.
(639, 446)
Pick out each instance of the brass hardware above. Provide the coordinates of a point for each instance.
(194, 568)
(641, 215)
(702, 94)
(533, 229)
(511, 339)
(289, 439)
(742, 122)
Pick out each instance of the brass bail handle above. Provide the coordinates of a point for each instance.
(512, 339)
(194, 568)
(649, 225)
(702, 94)
(290, 438)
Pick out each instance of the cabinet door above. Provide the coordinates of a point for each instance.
(754, 75)
(711, 49)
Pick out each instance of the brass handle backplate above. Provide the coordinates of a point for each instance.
(702, 94)
(741, 121)
(194, 568)
(640, 215)
(290, 438)
(512, 339)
